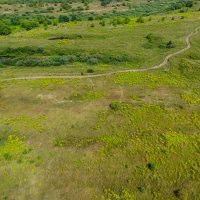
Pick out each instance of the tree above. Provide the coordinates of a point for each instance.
(4, 29)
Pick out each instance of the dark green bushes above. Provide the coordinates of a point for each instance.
(4, 29)
(140, 20)
(115, 105)
(151, 166)
(170, 45)
(63, 18)
(29, 24)
(90, 71)
(10, 58)
(118, 21)
(26, 50)
(69, 36)
(181, 4)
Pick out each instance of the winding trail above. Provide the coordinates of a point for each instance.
(165, 61)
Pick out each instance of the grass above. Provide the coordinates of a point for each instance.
(125, 136)
(128, 47)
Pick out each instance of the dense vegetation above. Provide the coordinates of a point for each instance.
(29, 21)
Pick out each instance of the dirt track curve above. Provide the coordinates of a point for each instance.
(165, 61)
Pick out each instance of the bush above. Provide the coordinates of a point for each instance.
(149, 37)
(66, 6)
(127, 20)
(170, 45)
(102, 23)
(140, 20)
(93, 61)
(105, 2)
(151, 166)
(189, 4)
(177, 193)
(7, 156)
(90, 71)
(4, 29)
(63, 18)
(26, 50)
(115, 106)
(90, 18)
(141, 189)
(29, 24)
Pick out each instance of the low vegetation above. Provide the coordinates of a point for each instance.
(124, 136)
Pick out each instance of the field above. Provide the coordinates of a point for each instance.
(126, 136)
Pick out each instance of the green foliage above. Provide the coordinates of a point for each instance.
(115, 105)
(102, 23)
(29, 24)
(105, 2)
(87, 96)
(191, 98)
(113, 141)
(140, 20)
(90, 70)
(151, 166)
(4, 29)
(170, 45)
(66, 6)
(124, 194)
(12, 147)
(149, 79)
(22, 122)
(20, 58)
(26, 50)
(141, 189)
(63, 18)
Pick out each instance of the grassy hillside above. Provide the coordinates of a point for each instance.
(69, 48)
(131, 134)
(126, 136)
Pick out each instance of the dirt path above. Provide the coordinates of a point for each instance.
(165, 61)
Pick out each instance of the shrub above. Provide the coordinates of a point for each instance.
(66, 6)
(141, 189)
(7, 156)
(126, 20)
(140, 20)
(177, 193)
(102, 23)
(63, 18)
(4, 29)
(149, 37)
(29, 24)
(189, 4)
(90, 71)
(90, 18)
(93, 61)
(151, 166)
(170, 45)
(105, 2)
(115, 106)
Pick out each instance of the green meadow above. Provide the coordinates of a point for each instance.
(126, 136)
